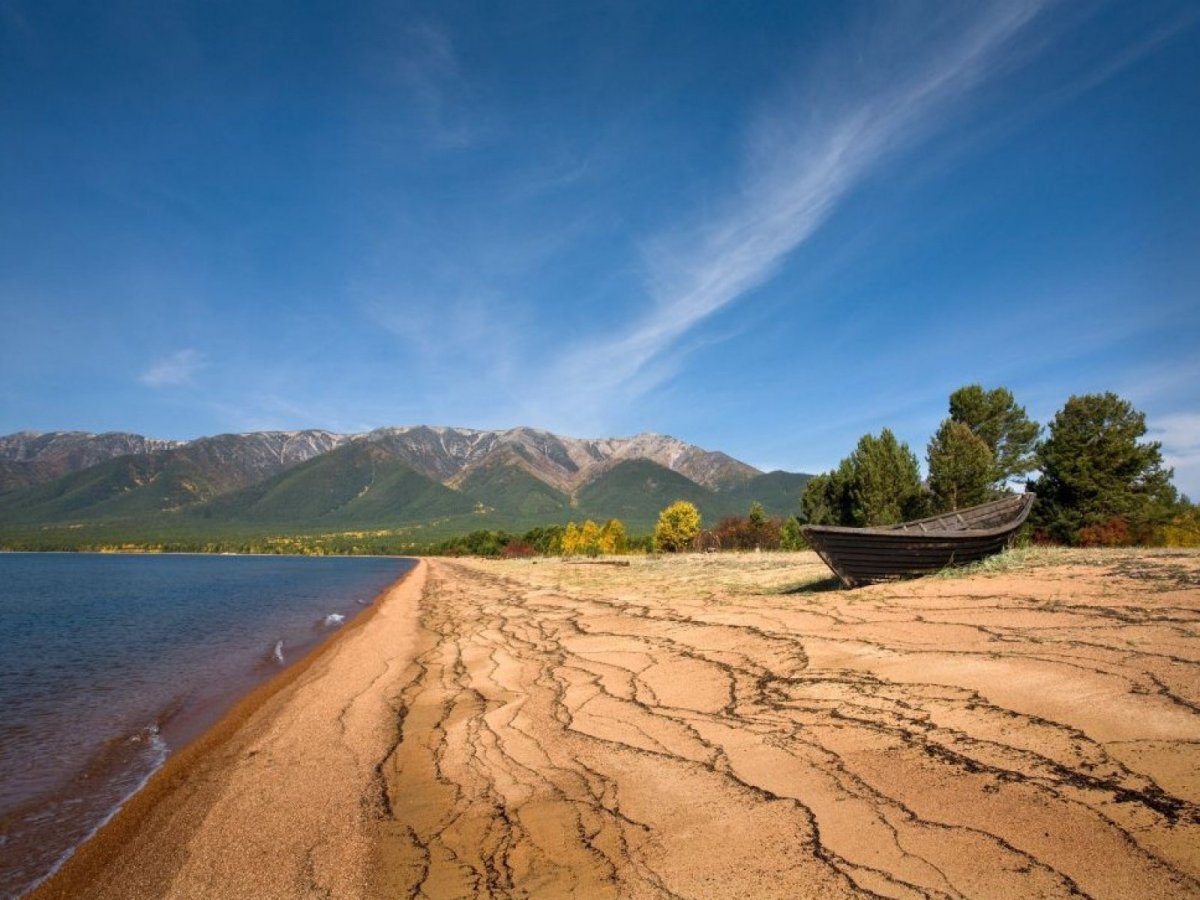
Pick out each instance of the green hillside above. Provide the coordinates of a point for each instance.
(359, 485)
(636, 490)
(122, 488)
(778, 492)
(400, 494)
(512, 491)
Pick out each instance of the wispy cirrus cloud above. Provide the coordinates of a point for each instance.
(178, 369)
(802, 160)
(430, 70)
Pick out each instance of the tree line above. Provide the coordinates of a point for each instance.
(573, 539)
(1098, 482)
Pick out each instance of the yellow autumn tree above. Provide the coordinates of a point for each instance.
(1183, 530)
(677, 526)
(570, 540)
(613, 537)
(589, 538)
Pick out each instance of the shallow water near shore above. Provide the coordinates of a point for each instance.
(108, 663)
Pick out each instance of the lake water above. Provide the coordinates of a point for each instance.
(107, 663)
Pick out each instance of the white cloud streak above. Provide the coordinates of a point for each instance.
(178, 369)
(802, 163)
(429, 67)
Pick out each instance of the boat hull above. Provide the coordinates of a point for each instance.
(861, 556)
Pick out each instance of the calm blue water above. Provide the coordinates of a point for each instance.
(107, 663)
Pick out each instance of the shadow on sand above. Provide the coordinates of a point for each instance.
(814, 587)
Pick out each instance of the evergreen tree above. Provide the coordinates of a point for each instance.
(677, 526)
(815, 504)
(790, 536)
(758, 518)
(1009, 433)
(961, 467)
(1097, 474)
(826, 499)
(757, 521)
(878, 484)
(887, 481)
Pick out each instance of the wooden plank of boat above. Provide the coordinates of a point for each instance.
(920, 547)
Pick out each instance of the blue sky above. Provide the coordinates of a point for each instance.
(762, 228)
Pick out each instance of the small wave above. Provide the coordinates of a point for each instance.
(157, 748)
(272, 658)
(333, 620)
(117, 776)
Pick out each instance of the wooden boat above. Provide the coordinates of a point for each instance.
(910, 549)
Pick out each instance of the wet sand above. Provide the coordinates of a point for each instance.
(706, 727)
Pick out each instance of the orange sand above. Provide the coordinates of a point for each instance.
(706, 727)
(685, 727)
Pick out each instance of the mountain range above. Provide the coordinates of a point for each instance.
(445, 480)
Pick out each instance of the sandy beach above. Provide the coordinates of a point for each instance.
(280, 798)
(704, 727)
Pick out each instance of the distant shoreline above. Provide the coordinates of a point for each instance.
(140, 552)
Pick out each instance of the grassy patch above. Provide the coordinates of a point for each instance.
(1012, 560)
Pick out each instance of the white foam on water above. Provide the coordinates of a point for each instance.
(277, 653)
(333, 620)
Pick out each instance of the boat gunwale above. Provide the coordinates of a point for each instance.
(894, 532)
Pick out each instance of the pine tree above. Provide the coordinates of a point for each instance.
(1097, 474)
(758, 517)
(791, 537)
(886, 486)
(878, 484)
(961, 467)
(826, 499)
(757, 520)
(999, 422)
